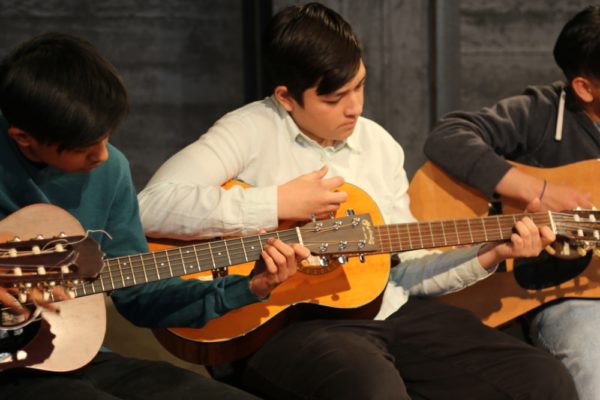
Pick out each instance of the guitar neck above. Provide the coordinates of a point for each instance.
(136, 269)
(426, 235)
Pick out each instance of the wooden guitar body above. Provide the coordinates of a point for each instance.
(340, 290)
(500, 298)
(70, 339)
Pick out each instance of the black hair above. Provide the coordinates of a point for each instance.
(577, 49)
(310, 45)
(59, 89)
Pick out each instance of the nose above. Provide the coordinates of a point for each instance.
(355, 104)
(99, 152)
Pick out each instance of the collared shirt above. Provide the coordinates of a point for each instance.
(261, 145)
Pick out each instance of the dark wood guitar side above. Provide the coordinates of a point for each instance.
(500, 298)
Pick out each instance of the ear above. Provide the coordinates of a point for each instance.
(22, 138)
(284, 98)
(583, 88)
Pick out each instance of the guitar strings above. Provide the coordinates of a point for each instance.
(233, 250)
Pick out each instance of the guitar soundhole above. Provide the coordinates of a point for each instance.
(547, 271)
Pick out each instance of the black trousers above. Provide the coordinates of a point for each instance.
(426, 350)
(111, 377)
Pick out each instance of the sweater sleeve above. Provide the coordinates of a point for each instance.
(185, 303)
(184, 199)
(474, 146)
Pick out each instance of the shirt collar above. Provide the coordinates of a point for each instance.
(295, 134)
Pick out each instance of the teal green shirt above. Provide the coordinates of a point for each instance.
(105, 199)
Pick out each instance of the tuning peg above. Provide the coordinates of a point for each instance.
(36, 250)
(39, 237)
(16, 239)
(350, 212)
(331, 215)
(59, 248)
(17, 271)
(64, 269)
(12, 252)
(566, 249)
(41, 270)
(342, 259)
(581, 251)
(21, 355)
(22, 297)
(361, 258)
(324, 261)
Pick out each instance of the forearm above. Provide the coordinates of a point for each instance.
(185, 211)
(182, 303)
(519, 185)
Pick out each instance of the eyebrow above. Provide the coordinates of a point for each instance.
(341, 93)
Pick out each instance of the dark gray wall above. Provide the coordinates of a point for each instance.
(182, 60)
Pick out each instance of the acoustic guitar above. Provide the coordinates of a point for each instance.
(347, 288)
(523, 285)
(43, 245)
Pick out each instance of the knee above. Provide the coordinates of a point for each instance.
(552, 381)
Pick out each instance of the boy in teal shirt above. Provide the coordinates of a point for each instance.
(60, 101)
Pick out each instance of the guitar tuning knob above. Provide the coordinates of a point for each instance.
(21, 355)
(22, 297)
(16, 239)
(324, 261)
(350, 212)
(39, 237)
(342, 259)
(361, 258)
(566, 250)
(331, 215)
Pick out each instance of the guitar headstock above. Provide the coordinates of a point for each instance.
(47, 262)
(350, 235)
(577, 229)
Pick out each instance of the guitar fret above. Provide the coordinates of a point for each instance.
(182, 261)
(244, 249)
(212, 256)
(121, 271)
(456, 231)
(410, 246)
(168, 262)
(420, 235)
(431, 234)
(197, 260)
(155, 266)
(485, 235)
(131, 268)
(397, 228)
(112, 281)
(470, 231)
(227, 252)
(444, 234)
(499, 227)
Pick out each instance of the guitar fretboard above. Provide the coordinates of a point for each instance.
(131, 270)
(426, 235)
